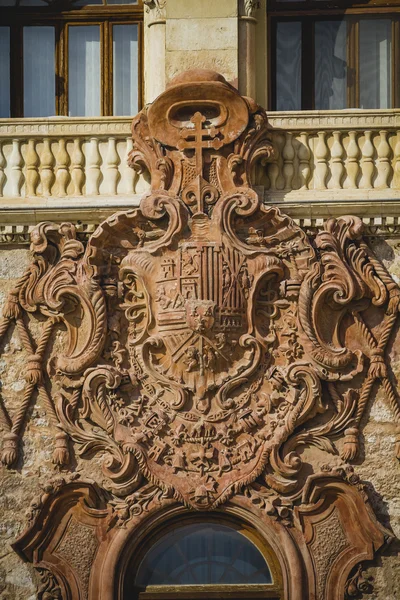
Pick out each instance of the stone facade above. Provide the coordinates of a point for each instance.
(324, 165)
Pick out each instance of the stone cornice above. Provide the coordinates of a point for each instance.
(335, 119)
(54, 126)
(306, 119)
(326, 163)
(381, 217)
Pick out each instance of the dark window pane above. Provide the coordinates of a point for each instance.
(5, 72)
(121, 1)
(203, 554)
(33, 3)
(288, 66)
(85, 2)
(330, 65)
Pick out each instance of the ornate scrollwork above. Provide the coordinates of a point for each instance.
(205, 331)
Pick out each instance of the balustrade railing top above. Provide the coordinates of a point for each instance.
(320, 155)
(338, 155)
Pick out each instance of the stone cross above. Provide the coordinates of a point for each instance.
(198, 139)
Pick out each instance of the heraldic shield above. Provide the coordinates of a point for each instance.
(206, 328)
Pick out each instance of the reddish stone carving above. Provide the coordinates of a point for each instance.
(85, 550)
(204, 328)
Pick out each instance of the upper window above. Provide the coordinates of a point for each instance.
(202, 559)
(334, 55)
(70, 58)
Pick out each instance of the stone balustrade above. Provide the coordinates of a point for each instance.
(338, 155)
(59, 158)
(330, 155)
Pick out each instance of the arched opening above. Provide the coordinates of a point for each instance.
(196, 558)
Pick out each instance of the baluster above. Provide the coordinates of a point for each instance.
(272, 165)
(384, 167)
(16, 163)
(128, 174)
(112, 161)
(396, 177)
(47, 170)
(62, 175)
(2, 167)
(93, 173)
(32, 173)
(304, 155)
(288, 157)
(353, 167)
(321, 167)
(337, 168)
(367, 162)
(273, 172)
(77, 174)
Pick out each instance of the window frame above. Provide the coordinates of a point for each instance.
(310, 11)
(273, 591)
(105, 16)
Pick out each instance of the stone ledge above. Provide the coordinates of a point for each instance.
(381, 218)
(50, 126)
(355, 118)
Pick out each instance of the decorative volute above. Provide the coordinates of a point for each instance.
(208, 337)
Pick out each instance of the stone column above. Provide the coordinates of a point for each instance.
(247, 47)
(202, 34)
(228, 36)
(154, 45)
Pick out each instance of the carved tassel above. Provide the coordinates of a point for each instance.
(394, 302)
(351, 444)
(61, 455)
(377, 367)
(12, 309)
(9, 454)
(34, 369)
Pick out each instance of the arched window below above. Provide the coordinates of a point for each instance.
(204, 560)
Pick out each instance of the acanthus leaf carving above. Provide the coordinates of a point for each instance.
(358, 584)
(158, 6)
(48, 588)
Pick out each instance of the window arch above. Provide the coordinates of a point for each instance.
(212, 557)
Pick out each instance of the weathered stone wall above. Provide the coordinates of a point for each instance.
(378, 465)
(19, 486)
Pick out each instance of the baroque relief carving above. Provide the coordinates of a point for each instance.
(329, 540)
(249, 7)
(48, 588)
(159, 7)
(333, 518)
(78, 547)
(206, 332)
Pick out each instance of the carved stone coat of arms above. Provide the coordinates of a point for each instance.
(204, 327)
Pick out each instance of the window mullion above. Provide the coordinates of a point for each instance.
(353, 77)
(106, 67)
(61, 69)
(140, 65)
(272, 66)
(396, 62)
(65, 69)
